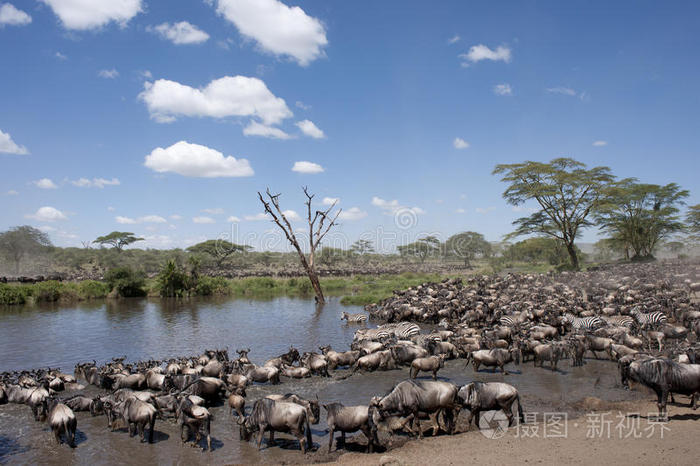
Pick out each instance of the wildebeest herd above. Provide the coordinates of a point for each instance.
(644, 317)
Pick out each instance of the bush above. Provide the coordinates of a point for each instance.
(172, 281)
(10, 294)
(91, 289)
(49, 291)
(126, 282)
(207, 286)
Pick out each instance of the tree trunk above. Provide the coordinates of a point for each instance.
(317, 286)
(573, 256)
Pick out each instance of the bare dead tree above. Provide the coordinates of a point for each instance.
(320, 224)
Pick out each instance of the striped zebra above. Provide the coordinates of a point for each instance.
(402, 330)
(649, 319)
(586, 324)
(507, 321)
(620, 321)
(354, 318)
(373, 334)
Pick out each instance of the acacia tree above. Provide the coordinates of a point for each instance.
(422, 248)
(319, 223)
(692, 219)
(567, 194)
(16, 242)
(641, 215)
(468, 245)
(118, 239)
(218, 249)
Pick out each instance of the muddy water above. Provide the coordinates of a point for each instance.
(188, 328)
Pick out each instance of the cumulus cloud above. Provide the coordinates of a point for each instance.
(124, 220)
(481, 52)
(307, 167)
(11, 16)
(83, 15)
(393, 206)
(8, 146)
(256, 217)
(196, 160)
(258, 129)
(277, 28)
(108, 74)
(310, 129)
(353, 213)
(230, 96)
(503, 89)
(95, 182)
(233, 219)
(600, 143)
(330, 200)
(214, 211)
(460, 143)
(45, 183)
(180, 33)
(291, 215)
(47, 214)
(203, 220)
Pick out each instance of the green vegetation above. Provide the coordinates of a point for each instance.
(118, 239)
(18, 242)
(126, 282)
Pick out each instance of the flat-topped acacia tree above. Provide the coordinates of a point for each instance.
(320, 222)
(118, 239)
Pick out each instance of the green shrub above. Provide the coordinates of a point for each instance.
(211, 285)
(126, 281)
(49, 291)
(10, 294)
(172, 281)
(91, 289)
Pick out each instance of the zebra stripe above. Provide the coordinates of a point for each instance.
(650, 319)
(402, 330)
(508, 321)
(584, 323)
(623, 321)
(354, 318)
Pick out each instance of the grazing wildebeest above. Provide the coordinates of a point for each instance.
(487, 396)
(347, 419)
(430, 364)
(136, 414)
(410, 398)
(236, 402)
(665, 376)
(61, 419)
(497, 357)
(276, 416)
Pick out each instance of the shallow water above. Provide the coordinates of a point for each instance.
(142, 329)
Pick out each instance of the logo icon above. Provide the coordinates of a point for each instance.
(493, 424)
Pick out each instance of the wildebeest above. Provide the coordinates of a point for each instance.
(366, 347)
(316, 362)
(497, 357)
(61, 419)
(236, 402)
(276, 416)
(410, 398)
(380, 360)
(35, 399)
(193, 419)
(405, 353)
(133, 381)
(209, 388)
(84, 403)
(295, 372)
(288, 358)
(347, 419)
(551, 352)
(487, 396)
(430, 364)
(596, 344)
(665, 376)
(313, 412)
(335, 358)
(135, 413)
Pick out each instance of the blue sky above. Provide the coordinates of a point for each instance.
(116, 115)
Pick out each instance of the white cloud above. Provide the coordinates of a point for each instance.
(124, 220)
(233, 219)
(520, 208)
(230, 96)
(353, 213)
(108, 74)
(203, 220)
(45, 183)
(481, 52)
(47, 214)
(291, 215)
(454, 39)
(12, 192)
(196, 160)
(481, 210)
(93, 14)
(180, 33)
(310, 129)
(47, 228)
(330, 200)
(460, 211)
(302, 105)
(277, 28)
(176, 217)
(214, 211)
(393, 206)
(503, 89)
(600, 143)
(95, 182)
(12, 16)
(460, 143)
(258, 129)
(256, 217)
(144, 219)
(110, 209)
(307, 167)
(8, 146)
(60, 56)
(561, 90)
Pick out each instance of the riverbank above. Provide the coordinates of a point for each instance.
(611, 435)
(355, 290)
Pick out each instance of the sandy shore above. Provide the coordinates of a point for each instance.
(587, 441)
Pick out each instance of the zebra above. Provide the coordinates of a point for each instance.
(586, 324)
(402, 330)
(623, 321)
(354, 318)
(650, 319)
(373, 334)
(508, 321)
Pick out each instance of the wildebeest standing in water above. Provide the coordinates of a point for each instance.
(487, 396)
(347, 419)
(61, 419)
(135, 413)
(276, 416)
